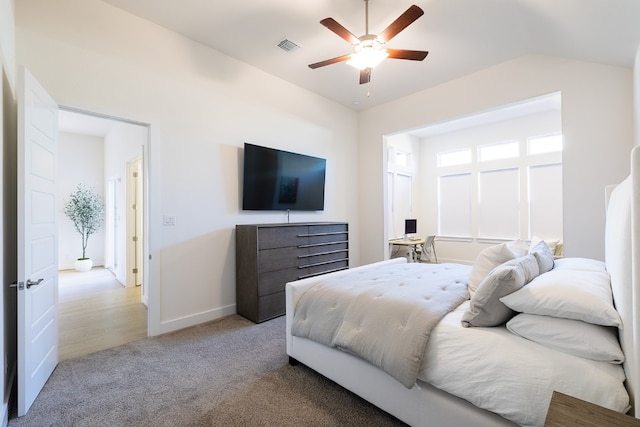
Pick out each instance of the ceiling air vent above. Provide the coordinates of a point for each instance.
(287, 45)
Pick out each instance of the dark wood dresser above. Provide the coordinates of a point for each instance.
(270, 255)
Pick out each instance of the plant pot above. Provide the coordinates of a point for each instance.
(83, 264)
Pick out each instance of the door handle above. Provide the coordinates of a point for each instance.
(31, 283)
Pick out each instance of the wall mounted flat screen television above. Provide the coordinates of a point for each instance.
(280, 180)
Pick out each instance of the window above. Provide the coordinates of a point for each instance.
(545, 200)
(515, 198)
(453, 158)
(504, 150)
(544, 144)
(499, 204)
(454, 205)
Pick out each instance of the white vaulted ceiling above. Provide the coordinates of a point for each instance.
(462, 36)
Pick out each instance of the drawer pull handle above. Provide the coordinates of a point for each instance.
(333, 233)
(313, 245)
(322, 253)
(317, 264)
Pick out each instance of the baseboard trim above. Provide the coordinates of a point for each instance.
(196, 319)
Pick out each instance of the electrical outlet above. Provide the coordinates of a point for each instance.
(168, 220)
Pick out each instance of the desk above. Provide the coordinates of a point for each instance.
(411, 243)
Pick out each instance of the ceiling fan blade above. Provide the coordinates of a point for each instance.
(403, 21)
(334, 26)
(365, 76)
(413, 55)
(329, 61)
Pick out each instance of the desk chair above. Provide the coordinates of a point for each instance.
(427, 249)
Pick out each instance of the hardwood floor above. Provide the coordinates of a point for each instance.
(97, 312)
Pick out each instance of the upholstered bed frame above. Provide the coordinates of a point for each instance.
(426, 405)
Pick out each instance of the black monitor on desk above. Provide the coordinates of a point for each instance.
(410, 226)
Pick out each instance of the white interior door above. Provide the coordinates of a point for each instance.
(37, 239)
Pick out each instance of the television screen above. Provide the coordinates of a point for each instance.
(281, 180)
(410, 226)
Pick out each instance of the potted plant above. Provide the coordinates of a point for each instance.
(85, 209)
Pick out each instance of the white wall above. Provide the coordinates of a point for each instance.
(597, 124)
(7, 40)
(80, 161)
(201, 107)
(636, 86)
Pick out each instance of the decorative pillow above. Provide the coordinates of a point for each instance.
(579, 264)
(574, 337)
(485, 308)
(543, 255)
(489, 259)
(552, 243)
(569, 294)
(529, 264)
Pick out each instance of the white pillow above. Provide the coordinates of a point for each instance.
(485, 308)
(574, 337)
(569, 294)
(579, 264)
(489, 259)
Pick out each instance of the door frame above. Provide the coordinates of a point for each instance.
(135, 223)
(151, 299)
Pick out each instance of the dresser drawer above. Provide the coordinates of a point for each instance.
(275, 281)
(327, 248)
(322, 258)
(280, 237)
(321, 239)
(329, 267)
(327, 228)
(271, 306)
(279, 259)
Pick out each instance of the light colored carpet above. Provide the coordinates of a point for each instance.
(230, 372)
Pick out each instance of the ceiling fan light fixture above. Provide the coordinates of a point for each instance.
(367, 56)
(368, 50)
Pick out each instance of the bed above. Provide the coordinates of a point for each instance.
(448, 387)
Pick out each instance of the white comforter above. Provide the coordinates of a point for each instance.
(383, 315)
(498, 371)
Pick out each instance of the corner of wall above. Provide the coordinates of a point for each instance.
(636, 96)
(8, 132)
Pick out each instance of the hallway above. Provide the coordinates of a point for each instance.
(97, 312)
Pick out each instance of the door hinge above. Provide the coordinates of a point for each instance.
(135, 174)
(134, 238)
(135, 271)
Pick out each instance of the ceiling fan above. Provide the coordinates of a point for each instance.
(369, 49)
